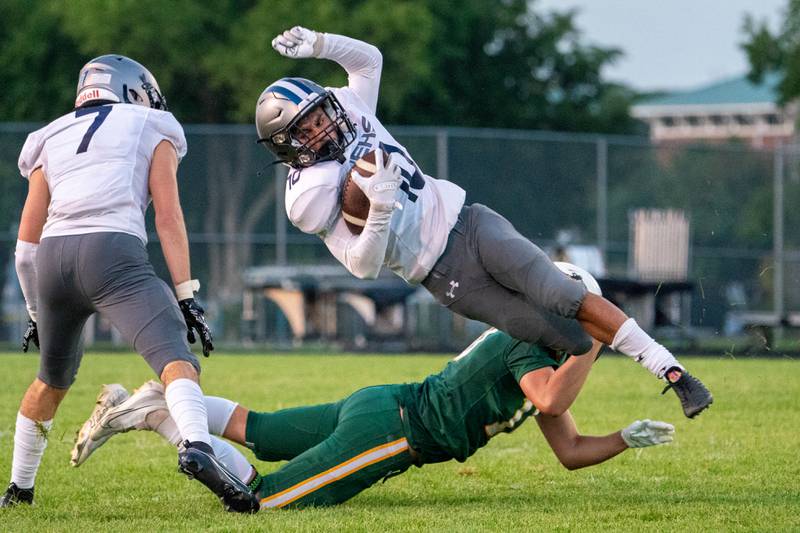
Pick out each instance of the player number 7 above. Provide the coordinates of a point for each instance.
(102, 112)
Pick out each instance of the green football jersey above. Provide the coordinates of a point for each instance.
(475, 397)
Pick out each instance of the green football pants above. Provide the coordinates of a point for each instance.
(335, 450)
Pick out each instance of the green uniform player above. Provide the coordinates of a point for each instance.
(336, 450)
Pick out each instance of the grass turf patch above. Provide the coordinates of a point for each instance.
(735, 467)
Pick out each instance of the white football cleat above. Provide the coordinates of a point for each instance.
(110, 396)
(145, 409)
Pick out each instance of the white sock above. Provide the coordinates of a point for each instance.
(30, 440)
(186, 406)
(232, 459)
(227, 454)
(634, 342)
(219, 413)
(162, 423)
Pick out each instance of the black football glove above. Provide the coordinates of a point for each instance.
(195, 320)
(31, 334)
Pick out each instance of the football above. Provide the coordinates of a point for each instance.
(355, 204)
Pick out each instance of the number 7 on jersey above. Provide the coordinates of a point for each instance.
(102, 112)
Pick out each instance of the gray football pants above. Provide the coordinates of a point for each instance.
(107, 273)
(491, 273)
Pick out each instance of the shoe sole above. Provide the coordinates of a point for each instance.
(697, 410)
(105, 400)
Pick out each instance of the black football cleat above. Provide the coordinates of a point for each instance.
(15, 495)
(234, 494)
(694, 396)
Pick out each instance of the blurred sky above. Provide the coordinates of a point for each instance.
(670, 44)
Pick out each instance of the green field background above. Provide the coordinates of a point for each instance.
(735, 468)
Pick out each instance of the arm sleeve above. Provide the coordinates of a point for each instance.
(363, 255)
(362, 61)
(25, 263)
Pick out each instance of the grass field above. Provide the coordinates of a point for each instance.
(735, 468)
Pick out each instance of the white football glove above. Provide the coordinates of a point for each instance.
(298, 42)
(643, 433)
(382, 187)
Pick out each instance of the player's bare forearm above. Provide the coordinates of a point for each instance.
(553, 392)
(170, 226)
(574, 450)
(171, 231)
(588, 450)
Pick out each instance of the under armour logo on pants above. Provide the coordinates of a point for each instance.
(453, 286)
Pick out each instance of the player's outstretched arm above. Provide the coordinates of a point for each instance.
(575, 451)
(363, 62)
(554, 391)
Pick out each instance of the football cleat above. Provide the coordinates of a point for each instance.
(694, 396)
(85, 443)
(15, 495)
(133, 413)
(234, 494)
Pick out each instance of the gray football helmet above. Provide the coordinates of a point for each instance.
(119, 79)
(283, 105)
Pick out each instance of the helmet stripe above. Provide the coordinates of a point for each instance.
(283, 91)
(297, 82)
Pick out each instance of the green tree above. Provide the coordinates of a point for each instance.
(498, 63)
(173, 39)
(38, 61)
(504, 64)
(486, 63)
(43, 45)
(247, 64)
(769, 51)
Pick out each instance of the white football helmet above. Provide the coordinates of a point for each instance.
(118, 79)
(578, 273)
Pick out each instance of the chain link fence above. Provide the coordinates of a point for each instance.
(744, 244)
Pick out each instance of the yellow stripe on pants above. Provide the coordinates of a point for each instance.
(340, 471)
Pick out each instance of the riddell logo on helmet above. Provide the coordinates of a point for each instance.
(96, 93)
(93, 94)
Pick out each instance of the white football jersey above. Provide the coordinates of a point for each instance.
(96, 161)
(418, 232)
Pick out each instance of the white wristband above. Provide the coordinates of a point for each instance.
(187, 289)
